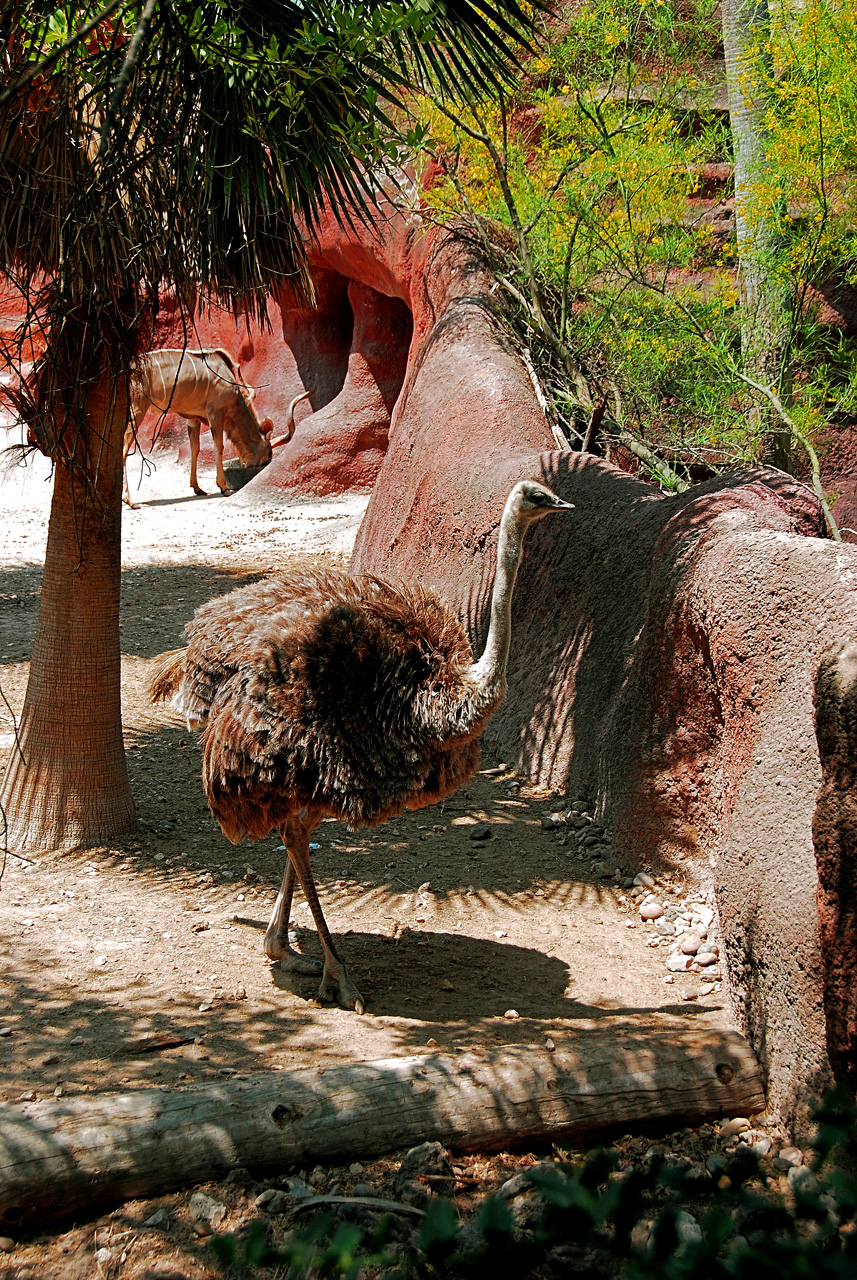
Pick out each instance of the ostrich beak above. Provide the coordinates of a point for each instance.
(278, 440)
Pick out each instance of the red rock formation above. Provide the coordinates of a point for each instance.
(663, 654)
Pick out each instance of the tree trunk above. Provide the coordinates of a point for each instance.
(66, 784)
(58, 1158)
(765, 301)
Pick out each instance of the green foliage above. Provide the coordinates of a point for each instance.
(654, 1223)
(591, 166)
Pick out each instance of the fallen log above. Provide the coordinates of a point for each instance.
(58, 1157)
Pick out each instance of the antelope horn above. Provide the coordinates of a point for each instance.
(290, 417)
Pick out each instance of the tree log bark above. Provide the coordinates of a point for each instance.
(58, 1158)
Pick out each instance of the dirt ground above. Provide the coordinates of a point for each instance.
(445, 935)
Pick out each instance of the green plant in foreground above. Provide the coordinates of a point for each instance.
(658, 1222)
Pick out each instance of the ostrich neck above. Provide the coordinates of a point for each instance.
(489, 673)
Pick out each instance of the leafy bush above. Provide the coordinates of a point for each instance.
(588, 1220)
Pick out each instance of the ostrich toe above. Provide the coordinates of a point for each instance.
(277, 949)
(337, 988)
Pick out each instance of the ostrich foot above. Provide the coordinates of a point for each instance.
(200, 493)
(337, 988)
(278, 950)
(227, 492)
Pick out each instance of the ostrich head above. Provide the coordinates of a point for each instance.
(530, 501)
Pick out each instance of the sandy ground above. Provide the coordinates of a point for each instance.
(444, 934)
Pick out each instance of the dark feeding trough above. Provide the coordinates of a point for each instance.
(237, 474)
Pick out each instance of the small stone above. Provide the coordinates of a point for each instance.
(788, 1158)
(706, 989)
(628, 882)
(205, 1209)
(549, 1044)
(27, 1097)
(716, 1165)
(364, 1189)
(206, 1008)
(576, 820)
(515, 1186)
(679, 963)
(687, 1227)
(297, 1188)
(706, 958)
(7, 1244)
(50, 1059)
(431, 1043)
(738, 1124)
(711, 947)
(762, 1146)
(276, 1201)
(690, 943)
(318, 1177)
(76, 1040)
(511, 1014)
(103, 1257)
(482, 832)
(158, 1219)
(690, 993)
(356, 1169)
(551, 821)
(651, 909)
(802, 1179)
(665, 927)
(5, 1031)
(644, 879)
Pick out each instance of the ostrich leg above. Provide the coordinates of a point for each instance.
(277, 934)
(336, 986)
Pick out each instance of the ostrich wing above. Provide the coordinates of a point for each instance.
(323, 705)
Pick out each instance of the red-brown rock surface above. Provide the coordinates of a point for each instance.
(663, 656)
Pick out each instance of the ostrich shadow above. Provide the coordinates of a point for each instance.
(454, 980)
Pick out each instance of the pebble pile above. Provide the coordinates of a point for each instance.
(681, 927)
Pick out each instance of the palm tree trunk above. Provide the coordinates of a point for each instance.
(765, 302)
(66, 784)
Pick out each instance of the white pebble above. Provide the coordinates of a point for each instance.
(679, 963)
(705, 958)
(791, 1156)
(690, 943)
(739, 1124)
(651, 910)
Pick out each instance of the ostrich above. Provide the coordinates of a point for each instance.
(323, 694)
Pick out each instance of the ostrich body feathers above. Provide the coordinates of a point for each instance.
(319, 691)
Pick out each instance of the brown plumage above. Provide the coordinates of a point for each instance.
(323, 694)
